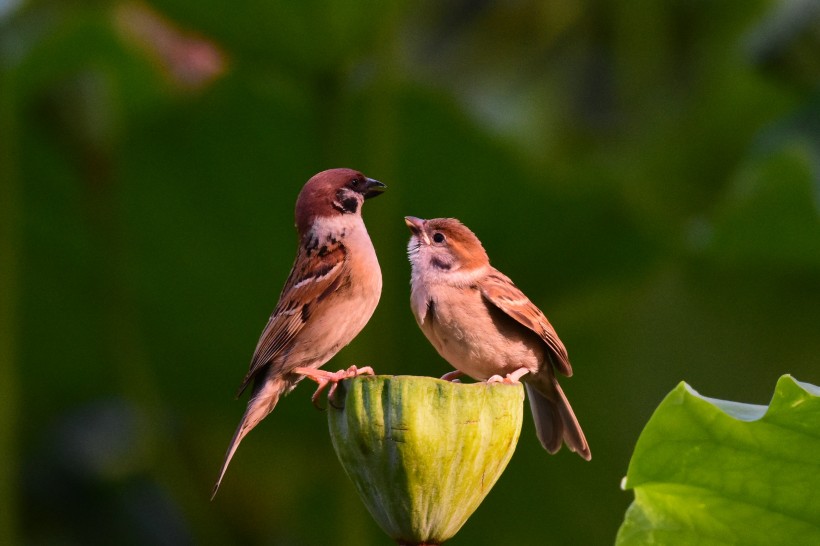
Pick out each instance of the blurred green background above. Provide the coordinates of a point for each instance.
(647, 172)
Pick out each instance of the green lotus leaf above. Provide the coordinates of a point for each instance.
(712, 472)
(422, 452)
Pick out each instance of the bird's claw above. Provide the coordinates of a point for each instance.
(324, 379)
(510, 379)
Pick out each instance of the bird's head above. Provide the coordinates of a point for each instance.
(444, 248)
(334, 192)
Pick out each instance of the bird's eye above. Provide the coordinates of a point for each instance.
(438, 237)
(355, 182)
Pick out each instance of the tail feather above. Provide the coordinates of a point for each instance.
(259, 406)
(555, 422)
(548, 424)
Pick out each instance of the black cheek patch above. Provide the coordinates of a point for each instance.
(346, 201)
(350, 204)
(440, 264)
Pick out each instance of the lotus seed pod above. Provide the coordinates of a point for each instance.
(422, 452)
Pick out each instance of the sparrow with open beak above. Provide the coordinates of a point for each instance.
(330, 294)
(486, 328)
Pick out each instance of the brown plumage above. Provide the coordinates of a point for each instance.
(485, 327)
(330, 294)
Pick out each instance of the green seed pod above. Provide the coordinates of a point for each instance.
(422, 452)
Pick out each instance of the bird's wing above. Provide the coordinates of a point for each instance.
(316, 273)
(499, 290)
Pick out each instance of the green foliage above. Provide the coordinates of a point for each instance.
(709, 471)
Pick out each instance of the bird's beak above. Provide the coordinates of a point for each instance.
(416, 226)
(373, 188)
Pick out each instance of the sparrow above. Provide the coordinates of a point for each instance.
(486, 328)
(331, 292)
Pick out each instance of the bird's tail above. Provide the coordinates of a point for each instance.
(260, 405)
(555, 422)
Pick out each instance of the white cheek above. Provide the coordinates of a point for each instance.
(412, 247)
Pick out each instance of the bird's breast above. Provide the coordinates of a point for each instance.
(458, 323)
(343, 313)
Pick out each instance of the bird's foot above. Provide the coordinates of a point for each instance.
(511, 378)
(331, 379)
(452, 376)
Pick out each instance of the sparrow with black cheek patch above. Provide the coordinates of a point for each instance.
(330, 294)
(486, 328)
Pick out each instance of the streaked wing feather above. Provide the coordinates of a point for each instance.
(500, 291)
(310, 280)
